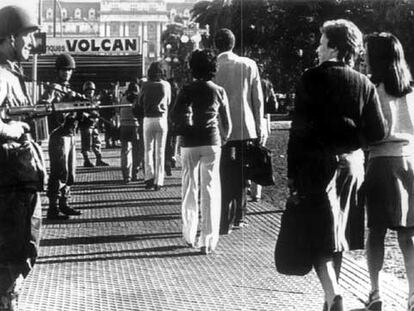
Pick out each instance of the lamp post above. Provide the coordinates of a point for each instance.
(144, 52)
(54, 17)
(90, 25)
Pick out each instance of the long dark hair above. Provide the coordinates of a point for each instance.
(132, 91)
(203, 64)
(155, 72)
(386, 63)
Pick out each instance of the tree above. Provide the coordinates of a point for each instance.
(177, 51)
(283, 34)
(216, 14)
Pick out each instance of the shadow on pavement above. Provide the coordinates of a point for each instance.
(108, 239)
(151, 217)
(118, 256)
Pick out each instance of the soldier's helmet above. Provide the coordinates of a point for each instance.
(65, 61)
(88, 85)
(15, 20)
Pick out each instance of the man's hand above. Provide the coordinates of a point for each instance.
(262, 137)
(15, 129)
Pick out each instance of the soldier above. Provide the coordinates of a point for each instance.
(62, 150)
(89, 129)
(20, 206)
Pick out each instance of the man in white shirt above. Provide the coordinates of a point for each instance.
(239, 76)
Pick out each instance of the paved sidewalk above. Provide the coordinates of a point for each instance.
(125, 252)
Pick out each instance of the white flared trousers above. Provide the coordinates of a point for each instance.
(155, 136)
(201, 189)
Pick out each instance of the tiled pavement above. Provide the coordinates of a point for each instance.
(125, 253)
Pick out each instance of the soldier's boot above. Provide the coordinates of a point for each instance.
(100, 162)
(66, 209)
(53, 212)
(86, 161)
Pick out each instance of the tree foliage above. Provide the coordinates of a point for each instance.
(284, 34)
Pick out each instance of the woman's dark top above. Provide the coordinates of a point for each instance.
(336, 111)
(155, 97)
(206, 99)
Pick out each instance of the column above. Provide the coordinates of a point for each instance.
(144, 47)
(126, 29)
(102, 32)
(158, 40)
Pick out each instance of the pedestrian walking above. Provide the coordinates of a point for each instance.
(390, 173)
(336, 112)
(107, 115)
(240, 78)
(155, 97)
(21, 161)
(129, 134)
(171, 141)
(201, 149)
(270, 106)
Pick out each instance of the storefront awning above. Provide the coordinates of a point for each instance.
(101, 69)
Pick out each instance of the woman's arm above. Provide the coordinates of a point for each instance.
(225, 119)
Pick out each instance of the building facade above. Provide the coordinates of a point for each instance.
(141, 19)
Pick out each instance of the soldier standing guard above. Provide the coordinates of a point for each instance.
(62, 151)
(88, 126)
(21, 162)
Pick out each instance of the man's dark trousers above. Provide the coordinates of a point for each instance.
(233, 184)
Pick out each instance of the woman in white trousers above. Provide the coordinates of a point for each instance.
(155, 97)
(208, 124)
(155, 136)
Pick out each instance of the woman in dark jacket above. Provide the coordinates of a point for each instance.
(336, 112)
(201, 150)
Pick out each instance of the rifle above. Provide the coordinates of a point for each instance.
(46, 108)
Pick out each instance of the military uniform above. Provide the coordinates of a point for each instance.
(21, 178)
(88, 126)
(62, 153)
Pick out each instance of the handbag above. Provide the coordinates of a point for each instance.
(293, 252)
(259, 165)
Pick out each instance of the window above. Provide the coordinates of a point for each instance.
(64, 13)
(91, 14)
(77, 29)
(133, 29)
(114, 29)
(49, 29)
(49, 13)
(78, 13)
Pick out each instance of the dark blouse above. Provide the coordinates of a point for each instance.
(336, 111)
(206, 99)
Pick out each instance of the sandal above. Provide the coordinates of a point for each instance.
(374, 302)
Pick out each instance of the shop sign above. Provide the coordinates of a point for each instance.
(75, 45)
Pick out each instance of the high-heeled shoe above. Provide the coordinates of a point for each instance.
(374, 302)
